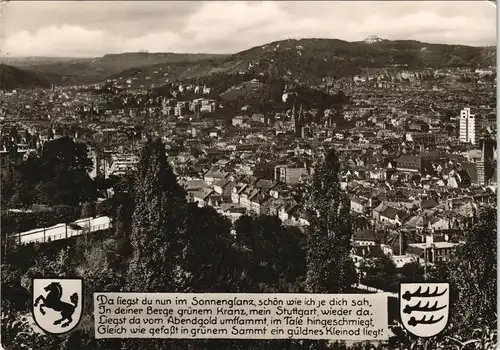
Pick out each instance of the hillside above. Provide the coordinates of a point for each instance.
(306, 61)
(311, 60)
(90, 70)
(242, 90)
(14, 78)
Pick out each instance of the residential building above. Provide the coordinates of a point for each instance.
(122, 164)
(288, 174)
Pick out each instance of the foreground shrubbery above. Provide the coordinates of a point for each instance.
(14, 222)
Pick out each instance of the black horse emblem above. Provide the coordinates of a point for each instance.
(56, 299)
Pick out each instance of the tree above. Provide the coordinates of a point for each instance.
(8, 192)
(88, 210)
(275, 254)
(14, 296)
(18, 334)
(27, 136)
(243, 228)
(473, 276)
(329, 266)
(60, 266)
(34, 141)
(378, 262)
(50, 133)
(208, 262)
(64, 173)
(27, 176)
(13, 134)
(100, 265)
(123, 228)
(412, 272)
(157, 222)
(379, 271)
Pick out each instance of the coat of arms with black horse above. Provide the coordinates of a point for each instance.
(57, 304)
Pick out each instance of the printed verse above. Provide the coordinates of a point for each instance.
(244, 316)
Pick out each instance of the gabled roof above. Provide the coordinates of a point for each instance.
(381, 207)
(241, 188)
(289, 206)
(253, 193)
(365, 235)
(216, 174)
(471, 170)
(389, 213)
(222, 183)
(413, 250)
(428, 204)
(293, 209)
(359, 200)
(259, 197)
(403, 216)
(263, 183)
(193, 185)
(204, 193)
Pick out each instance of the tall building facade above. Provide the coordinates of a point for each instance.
(468, 128)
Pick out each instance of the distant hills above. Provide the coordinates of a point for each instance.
(311, 60)
(90, 70)
(304, 60)
(14, 78)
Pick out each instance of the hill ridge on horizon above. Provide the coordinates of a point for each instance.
(306, 59)
(147, 52)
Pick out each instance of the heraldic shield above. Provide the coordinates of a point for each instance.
(424, 307)
(57, 304)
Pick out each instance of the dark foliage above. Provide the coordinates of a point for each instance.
(15, 222)
(330, 268)
(59, 176)
(157, 222)
(12, 78)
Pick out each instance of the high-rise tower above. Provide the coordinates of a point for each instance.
(467, 127)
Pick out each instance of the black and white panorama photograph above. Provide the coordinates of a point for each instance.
(290, 147)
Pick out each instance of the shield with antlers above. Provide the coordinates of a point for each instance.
(424, 307)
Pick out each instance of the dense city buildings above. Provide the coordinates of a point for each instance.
(407, 166)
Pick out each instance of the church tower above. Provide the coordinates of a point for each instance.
(296, 121)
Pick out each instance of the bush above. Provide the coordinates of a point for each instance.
(105, 208)
(15, 222)
(88, 210)
(382, 281)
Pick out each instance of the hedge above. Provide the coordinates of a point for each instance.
(15, 222)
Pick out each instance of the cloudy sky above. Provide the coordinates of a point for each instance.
(94, 28)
